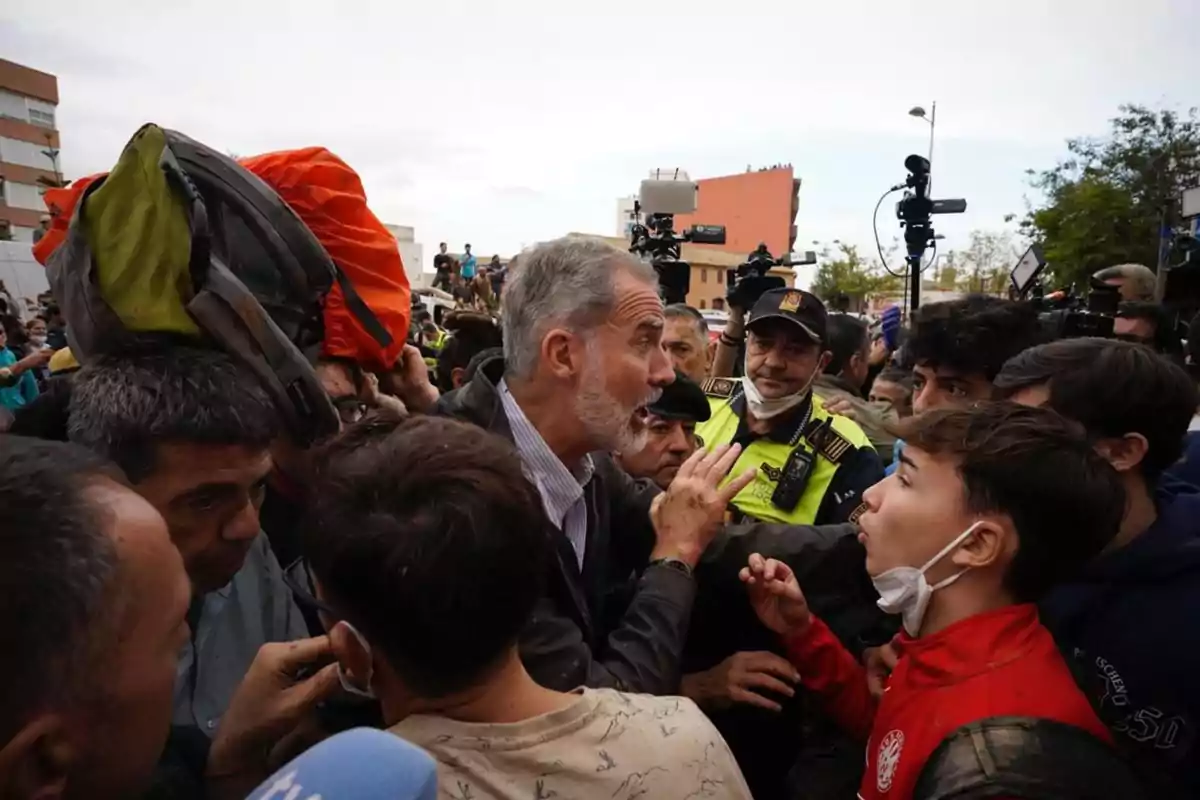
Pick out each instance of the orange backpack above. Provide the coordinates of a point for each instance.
(329, 198)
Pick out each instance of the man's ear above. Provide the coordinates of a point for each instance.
(456, 377)
(355, 661)
(35, 763)
(823, 362)
(988, 543)
(1125, 453)
(562, 353)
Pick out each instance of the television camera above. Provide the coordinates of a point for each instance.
(655, 239)
(1063, 314)
(914, 210)
(748, 280)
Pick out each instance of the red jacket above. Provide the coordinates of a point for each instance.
(1002, 663)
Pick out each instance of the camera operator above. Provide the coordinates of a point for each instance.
(1148, 323)
(1130, 618)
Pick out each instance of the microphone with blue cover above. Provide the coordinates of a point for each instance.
(359, 764)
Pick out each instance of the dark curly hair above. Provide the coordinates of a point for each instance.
(972, 336)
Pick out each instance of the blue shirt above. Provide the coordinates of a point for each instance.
(254, 608)
(23, 391)
(468, 266)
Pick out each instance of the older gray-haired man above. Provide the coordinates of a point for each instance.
(583, 357)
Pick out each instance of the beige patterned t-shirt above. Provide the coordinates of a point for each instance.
(608, 745)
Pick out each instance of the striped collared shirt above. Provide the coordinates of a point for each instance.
(561, 489)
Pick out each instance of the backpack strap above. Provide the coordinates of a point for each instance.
(360, 309)
(1027, 758)
(229, 313)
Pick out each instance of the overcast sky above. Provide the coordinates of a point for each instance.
(502, 123)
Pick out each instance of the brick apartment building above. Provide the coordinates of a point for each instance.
(755, 206)
(29, 147)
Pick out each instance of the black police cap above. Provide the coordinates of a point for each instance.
(804, 310)
(682, 400)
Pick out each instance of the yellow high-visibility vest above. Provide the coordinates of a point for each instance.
(768, 457)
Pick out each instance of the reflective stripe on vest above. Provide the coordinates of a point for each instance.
(768, 458)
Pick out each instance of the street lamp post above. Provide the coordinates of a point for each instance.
(919, 113)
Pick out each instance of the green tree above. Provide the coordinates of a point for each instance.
(1104, 203)
(850, 274)
(948, 271)
(985, 264)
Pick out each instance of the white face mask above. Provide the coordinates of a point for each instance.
(904, 590)
(37, 340)
(766, 408)
(344, 679)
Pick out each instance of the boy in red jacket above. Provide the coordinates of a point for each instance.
(988, 509)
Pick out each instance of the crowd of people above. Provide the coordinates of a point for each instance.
(471, 285)
(571, 550)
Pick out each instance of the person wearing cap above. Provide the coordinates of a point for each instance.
(811, 466)
(671, 432)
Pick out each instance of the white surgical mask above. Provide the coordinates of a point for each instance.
(344, 679)
(37, 340)
(766, 408)
(904, 590)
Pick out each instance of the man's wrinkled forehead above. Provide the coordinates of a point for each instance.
(637, 303)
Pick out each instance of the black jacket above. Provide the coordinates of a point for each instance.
(618, 624)
(613, 624)
(1031, 759)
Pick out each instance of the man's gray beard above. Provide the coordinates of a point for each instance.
(607, 424)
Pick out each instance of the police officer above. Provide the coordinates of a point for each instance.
(812, 466)
(670, 432)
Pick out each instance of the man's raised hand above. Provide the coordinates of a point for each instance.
(687, 515)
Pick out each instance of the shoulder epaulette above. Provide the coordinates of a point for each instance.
(827, 441)
(719, 387)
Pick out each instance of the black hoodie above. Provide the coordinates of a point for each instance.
(1132, 625)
